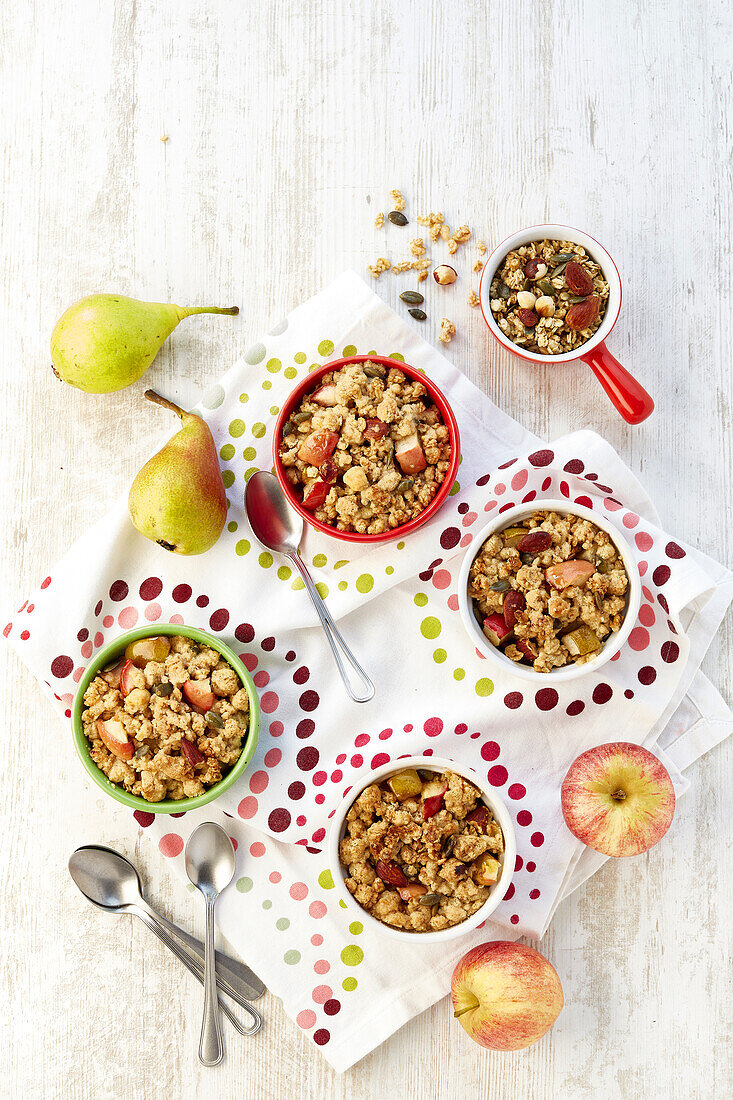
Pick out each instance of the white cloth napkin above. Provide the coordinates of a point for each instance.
(348, 987)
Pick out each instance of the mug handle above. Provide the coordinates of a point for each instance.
(626, 394)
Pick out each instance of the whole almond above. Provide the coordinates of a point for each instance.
(577, 279)
(391, 872)
(534, 542)
(583, 314)
(513, 602)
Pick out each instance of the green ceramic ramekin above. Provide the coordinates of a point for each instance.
(113, 651)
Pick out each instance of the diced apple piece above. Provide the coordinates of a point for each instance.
(326, 395)
(495, 629)
(148, 649)
(317, 447)
(406, 784)
(315, 493)
(479, 817)
(355, 479)
(486, 870)
(409, 454)
(375, 428)
(512, 535)
(581, 641)
(112, 733)
(112, 674)
(412, 890)
(126, 684)
(191, 752)
(432, 797)
(569, 572)
(199, 694)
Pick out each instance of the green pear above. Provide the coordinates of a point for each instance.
(178, 498)
(106, 341)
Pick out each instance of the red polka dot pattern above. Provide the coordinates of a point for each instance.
(546, 698)
(490, 750)
(513, 700)
(575, 708)
(151, 588)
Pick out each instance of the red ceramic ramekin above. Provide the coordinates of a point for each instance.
(310, 382)
(628, 396)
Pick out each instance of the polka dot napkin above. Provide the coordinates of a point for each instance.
(346, 987)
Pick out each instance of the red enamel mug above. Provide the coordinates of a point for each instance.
(628, 396)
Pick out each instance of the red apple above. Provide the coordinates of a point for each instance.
(433, 794)
(326, 395)
(495, 628)
(409, 454)
(112, 733)
(317, 447)
(412, 890)
(618, 799)
(575, 572)
(199, 694)
(315, 493)
(505, 995)
(126, 684)
(375, 428)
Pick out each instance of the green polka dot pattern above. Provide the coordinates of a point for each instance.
(484, 687)
(325, 347)
(227, 452)
(236, 428)
(430, 627)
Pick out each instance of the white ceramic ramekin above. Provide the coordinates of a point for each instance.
(498, 809)
(569, 672)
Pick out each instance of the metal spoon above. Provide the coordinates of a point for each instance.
(210, 865)
(110, 882)
(279, 528)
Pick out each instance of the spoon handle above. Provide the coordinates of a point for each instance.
(364, 689)
(211, 1047)
(198, 973)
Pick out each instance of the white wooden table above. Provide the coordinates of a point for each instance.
(287, 125)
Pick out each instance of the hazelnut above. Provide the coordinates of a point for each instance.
(535, 268)
(545, 306)
(445, 274)
(526, 299)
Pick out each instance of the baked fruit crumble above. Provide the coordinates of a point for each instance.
(167, 721)
(549, 590)
(421, 851)
(367, 450)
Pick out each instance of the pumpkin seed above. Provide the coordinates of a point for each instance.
(142, 751)
(300, 417)
(404, 485)
(449, 844)
(418, 314)
(397, 217)
(564, 257)
(505, 291)
(575, 298)
(559, 269)
(214, 720)
(288, 427)
(599, 601)
(412, 297)
(500, 586)
(374, 370)
(163, 689)
(546, 287)
(429, 899)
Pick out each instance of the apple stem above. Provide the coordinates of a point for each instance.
(619, 795)
(164, 403)
(468, 1007)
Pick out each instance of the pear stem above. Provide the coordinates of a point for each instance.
(187, 311)
(164, 403)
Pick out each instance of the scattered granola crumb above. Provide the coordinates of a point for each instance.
(422, 276)
(403, 265)
(462, 234)
(452, 245)
(480, 247)
(479, 265)
(164, 138)
(473, 298)
(399, 202)
(421, 264)
(447, 331)
(375, 270)
(445, 232)
(433, 222)
(379, 220)
(417, 246)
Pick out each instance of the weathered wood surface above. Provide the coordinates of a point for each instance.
(287, 124)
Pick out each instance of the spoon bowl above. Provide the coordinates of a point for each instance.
(104, 877)
(279, 528)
